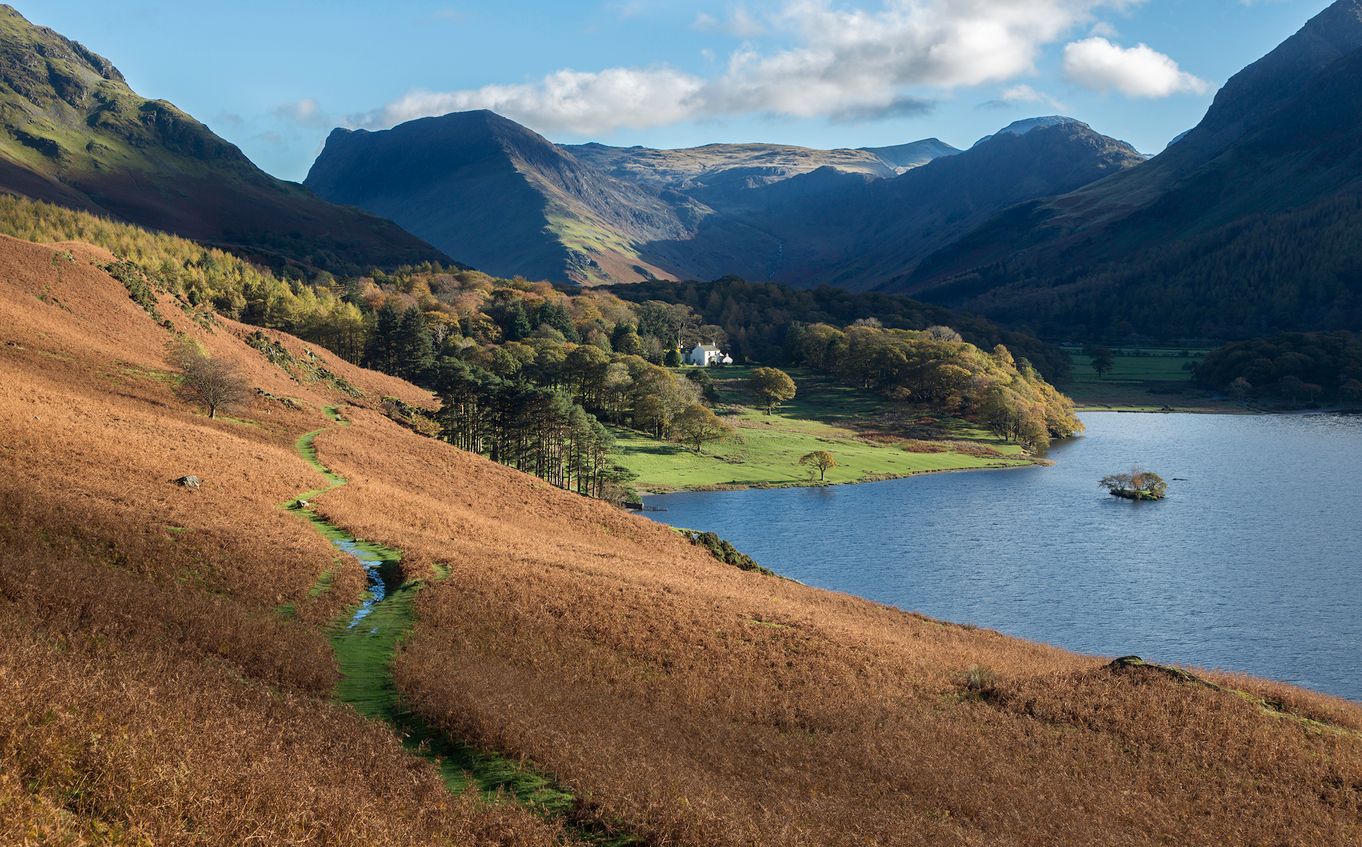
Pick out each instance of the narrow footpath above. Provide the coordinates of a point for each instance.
(365, 641)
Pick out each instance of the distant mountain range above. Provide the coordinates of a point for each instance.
(72, 132)
(597, 214)
(1245, 224)
(588, 213)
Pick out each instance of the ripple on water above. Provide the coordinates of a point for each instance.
(1253, 563)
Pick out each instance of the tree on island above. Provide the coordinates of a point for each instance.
(819, 460)
(773, 386)
(697, 425)
(214, 383)
(1136, 485)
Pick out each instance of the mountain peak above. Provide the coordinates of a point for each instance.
(1276, 78)
(1022, 127)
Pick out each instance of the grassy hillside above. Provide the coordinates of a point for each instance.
(152, 689)
(72, 132)
(868, 436)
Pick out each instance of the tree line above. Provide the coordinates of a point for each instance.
(938, 368)
(1295, 368)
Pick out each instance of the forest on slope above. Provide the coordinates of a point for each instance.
(529, 373)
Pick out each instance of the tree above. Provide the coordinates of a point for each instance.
(773, 386)
(672, 358)
(697, 425)
(381, 352)
(819, 460)
(413, 348)
(1103, 360)
(1136, 485)
(215, 383)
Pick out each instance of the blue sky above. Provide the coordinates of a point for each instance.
(275, 77)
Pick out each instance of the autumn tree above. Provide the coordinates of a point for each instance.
(819, 460)
(214, 383)
(697, 426)
(1136, 485)
(773, 386)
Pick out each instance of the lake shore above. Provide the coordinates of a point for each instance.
(872, 439)
(657, 491)
(1208, 570)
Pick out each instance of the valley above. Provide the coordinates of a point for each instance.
(564, 462)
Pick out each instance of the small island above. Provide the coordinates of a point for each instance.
(1136, 485)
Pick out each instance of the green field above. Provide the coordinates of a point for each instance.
(824, 416)
(1142, 379)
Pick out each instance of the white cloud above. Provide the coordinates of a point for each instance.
(1023, 95)
(305, 112)
(1138, 71)
(570, 101)
(740, 23)
(823, 60)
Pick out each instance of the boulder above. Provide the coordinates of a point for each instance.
(189, 482)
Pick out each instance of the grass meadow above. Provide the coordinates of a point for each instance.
(1142, 379)
(866, 434)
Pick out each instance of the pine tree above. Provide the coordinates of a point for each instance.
(380, 352)
(414, 349)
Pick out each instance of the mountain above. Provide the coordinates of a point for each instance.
(913, 154)
(501, 197)
(72, 132)
(855, 231)
(1243, 225)
(511, 202)
(1022, 127)
(586, 213)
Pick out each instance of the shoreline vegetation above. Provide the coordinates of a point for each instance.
(871, 438)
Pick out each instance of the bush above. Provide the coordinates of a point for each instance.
(725, 552)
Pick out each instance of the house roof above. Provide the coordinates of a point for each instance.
(708, 347)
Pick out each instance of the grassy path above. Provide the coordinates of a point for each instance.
(366, 641)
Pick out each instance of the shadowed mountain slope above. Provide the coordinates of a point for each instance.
(853, 231)
(500, 196)
(1240, 227)
(72, 132)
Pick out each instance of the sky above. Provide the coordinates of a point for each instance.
(275, 77)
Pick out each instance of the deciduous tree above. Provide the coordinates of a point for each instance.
(819, 460)
(697, 426)
(773, 386)
(214, 383)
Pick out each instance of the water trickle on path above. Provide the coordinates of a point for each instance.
(365, 654)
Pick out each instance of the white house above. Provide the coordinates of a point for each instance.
(706, 355)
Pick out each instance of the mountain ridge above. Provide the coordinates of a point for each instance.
(72, 132)
(592, 213)
(1277, 148)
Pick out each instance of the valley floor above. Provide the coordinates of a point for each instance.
(871, 438)
(1144, 379)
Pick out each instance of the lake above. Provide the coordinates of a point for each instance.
(1253, 563)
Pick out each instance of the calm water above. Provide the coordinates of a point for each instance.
(1253, 563)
